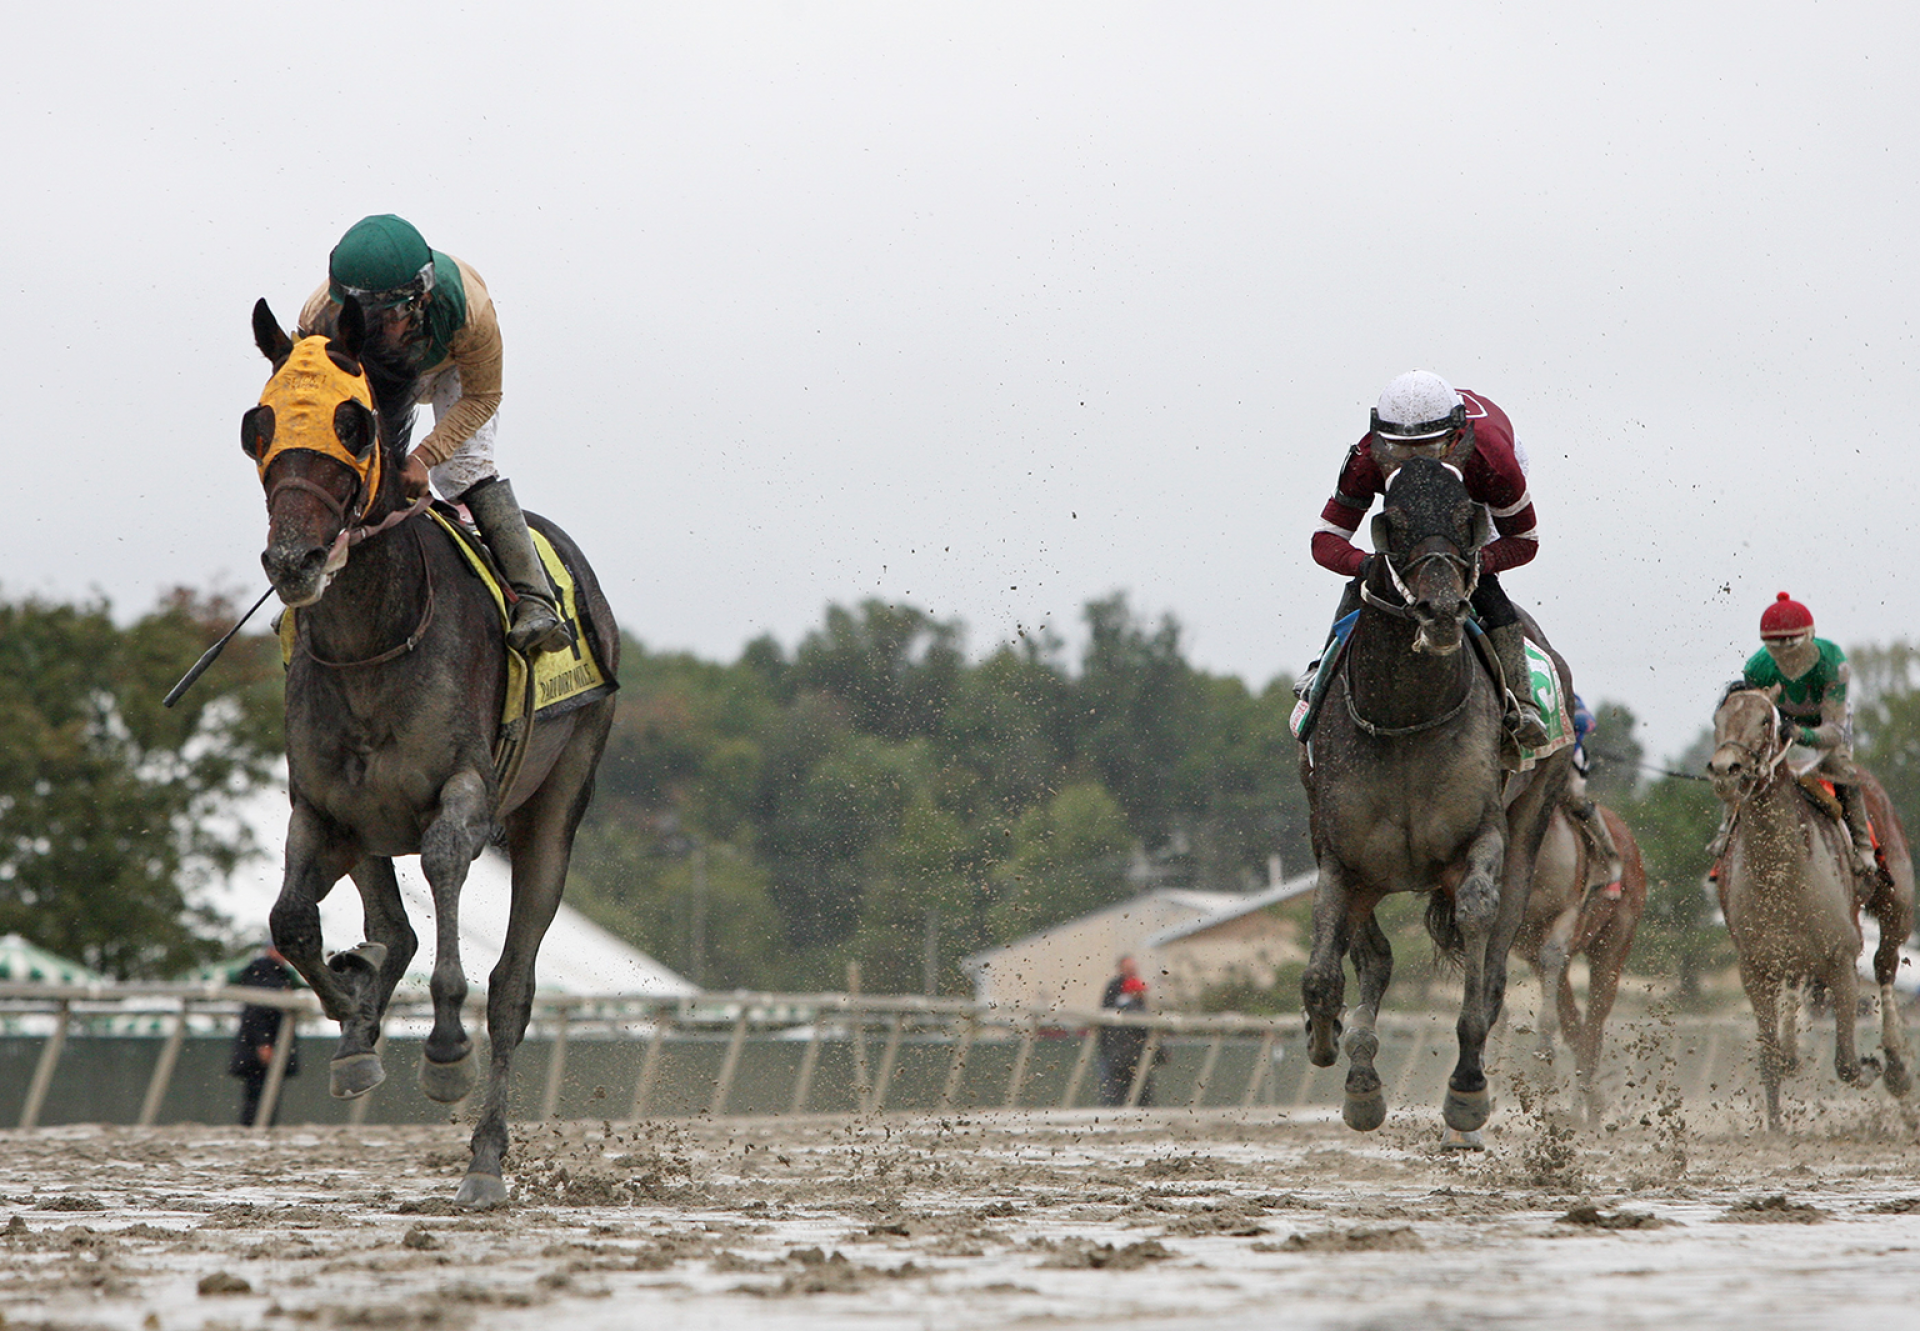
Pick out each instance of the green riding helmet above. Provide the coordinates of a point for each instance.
(383, 263)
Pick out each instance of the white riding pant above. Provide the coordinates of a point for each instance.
(473, 462)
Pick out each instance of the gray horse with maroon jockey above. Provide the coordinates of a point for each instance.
(1409, 793)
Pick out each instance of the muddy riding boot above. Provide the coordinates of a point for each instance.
(536, 622)
(1523, 713)
(1606, 855)
(1853, 807)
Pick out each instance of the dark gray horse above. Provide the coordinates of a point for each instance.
(1408, 794)
(393, 705)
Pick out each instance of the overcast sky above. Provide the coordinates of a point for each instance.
(995, 309)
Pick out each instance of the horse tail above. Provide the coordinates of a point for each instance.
(1444, 929)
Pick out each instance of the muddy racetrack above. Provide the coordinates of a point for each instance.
(1672, 1215)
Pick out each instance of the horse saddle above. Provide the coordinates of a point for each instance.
(549, 685)
(1544, 685)
(1821, 795)
(1312, 690)
(1543, 682)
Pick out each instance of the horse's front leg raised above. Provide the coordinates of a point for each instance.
(1478, 909)
(447, 850)
(318, 856)
(378, 963)
(1323, 986)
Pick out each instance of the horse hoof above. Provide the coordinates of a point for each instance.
(351, 1077)
(1323, 1043)
(1462, 1141)
(367, 959)
(481, 1192)
(1364, 1113)
(1899, 1079)
(1865, 1073)
(1467, 1111)
(448, 1083)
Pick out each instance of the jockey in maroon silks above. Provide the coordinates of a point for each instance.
(1421, 415)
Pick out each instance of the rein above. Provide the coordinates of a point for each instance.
(1346, 694)
(426, 612)
(1769, 768)
(1404, 610)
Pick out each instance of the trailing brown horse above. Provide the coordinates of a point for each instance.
(1790, 896)
(1564, 921)
(394, 703)
(1406, 785)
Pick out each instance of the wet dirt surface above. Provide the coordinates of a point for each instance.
(1662, 1218)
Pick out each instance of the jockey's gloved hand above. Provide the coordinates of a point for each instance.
(413, 477)
(1805, 735)
(1366, 568)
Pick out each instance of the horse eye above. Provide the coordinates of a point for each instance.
(256, 432)
(355, 426)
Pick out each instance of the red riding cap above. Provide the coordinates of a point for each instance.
(1785, 618)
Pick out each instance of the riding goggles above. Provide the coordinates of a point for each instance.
(409, 297)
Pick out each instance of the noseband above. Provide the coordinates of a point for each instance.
(1469, 566)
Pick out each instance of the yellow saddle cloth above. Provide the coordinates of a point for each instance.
(554, 682)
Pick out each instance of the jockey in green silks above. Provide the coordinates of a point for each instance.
(1809, 676)
(432, 315)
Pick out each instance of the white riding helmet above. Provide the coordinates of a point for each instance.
(1419, 407)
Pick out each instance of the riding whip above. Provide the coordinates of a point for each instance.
(207, 659)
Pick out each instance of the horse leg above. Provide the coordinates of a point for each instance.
(1323, 985)
(1604, 965)
(390, 946)
(1556, 990)
(1483, 918)
(447, 849)
(1895, 919)
(1763, 993)
(317, 858)
(1844, 985)
(540, 844)
(1366, 1103)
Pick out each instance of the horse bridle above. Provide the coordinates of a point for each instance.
(351, 533)
(1766, 767)
(1469, 566)
(1470, 572)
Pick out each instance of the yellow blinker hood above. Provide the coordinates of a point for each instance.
(304, 394)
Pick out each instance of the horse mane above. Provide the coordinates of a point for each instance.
(395, 387)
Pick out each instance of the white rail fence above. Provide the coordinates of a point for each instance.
(757, 1053)
(873, 1027)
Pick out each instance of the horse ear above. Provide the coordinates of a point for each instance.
(350, 329)
(272, 340)
(256, 431)
(1463, 449)
(1482, 526)
(1773, 693)
(1381, 529)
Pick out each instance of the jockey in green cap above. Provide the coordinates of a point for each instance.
(431, 315)
(1808, 677)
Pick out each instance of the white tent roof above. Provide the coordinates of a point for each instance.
(578, 956)
(21, 960)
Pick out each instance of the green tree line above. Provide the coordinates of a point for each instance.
(764, 822)
(767, 821)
